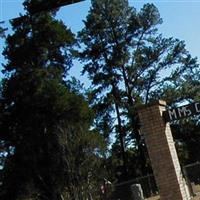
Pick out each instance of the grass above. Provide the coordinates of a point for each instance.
(153, 198)
(196, 198)
(157, 198)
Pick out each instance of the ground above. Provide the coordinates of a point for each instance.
(153, 198)
(157, 198)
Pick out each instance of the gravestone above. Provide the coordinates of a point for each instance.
(137, 192)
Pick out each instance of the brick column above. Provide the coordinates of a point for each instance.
(162, 152)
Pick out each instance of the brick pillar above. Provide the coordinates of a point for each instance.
(162, 152)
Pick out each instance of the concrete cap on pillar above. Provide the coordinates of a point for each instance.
(154, 103)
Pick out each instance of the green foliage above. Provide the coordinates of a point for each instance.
(47, 150)
(129, 64)
(2, 31)
(187, 137)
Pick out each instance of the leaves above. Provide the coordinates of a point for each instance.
(2, 31)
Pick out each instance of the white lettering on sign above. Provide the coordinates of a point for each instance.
(180, 112)
(172, 113)
(197, 107)
(184, 111)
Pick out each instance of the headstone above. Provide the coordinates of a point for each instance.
(137, 192)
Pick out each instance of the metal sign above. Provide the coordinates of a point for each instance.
(182, 112)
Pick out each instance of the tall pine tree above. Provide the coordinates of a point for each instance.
(129, 64)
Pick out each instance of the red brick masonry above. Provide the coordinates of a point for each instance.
(162, 152)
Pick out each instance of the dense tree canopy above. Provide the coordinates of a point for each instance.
(2, 31)
(44, 122)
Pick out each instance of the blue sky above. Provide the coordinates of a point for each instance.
(181, 19)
